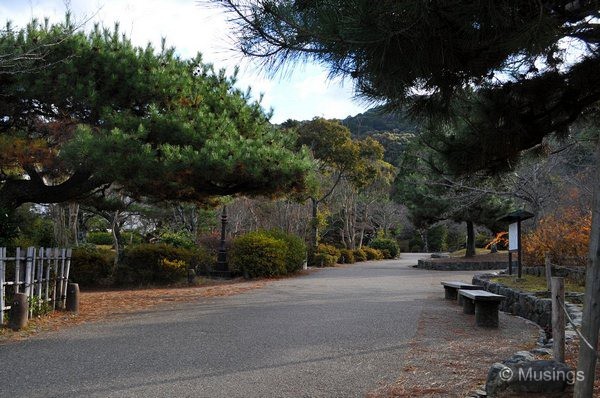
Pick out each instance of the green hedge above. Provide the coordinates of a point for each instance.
(159, 263)
(360, 255)
(324, 260)
(347, 256)
(91, 266)
(373, 254)
(257, 254)
(295, 253)
(389, 247)
(100, 238)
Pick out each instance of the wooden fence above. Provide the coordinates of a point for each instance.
(42, 274)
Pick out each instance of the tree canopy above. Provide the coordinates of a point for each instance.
(95, 110)
(433, 54)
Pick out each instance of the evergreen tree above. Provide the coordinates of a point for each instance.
(96, 111)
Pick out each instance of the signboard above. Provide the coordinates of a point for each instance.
(513, 236)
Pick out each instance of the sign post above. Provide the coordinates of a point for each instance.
(514, 238)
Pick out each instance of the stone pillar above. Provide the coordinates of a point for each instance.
(19, 310)
(73, 297)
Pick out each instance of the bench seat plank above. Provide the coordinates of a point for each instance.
(480, 295)
(459, 285)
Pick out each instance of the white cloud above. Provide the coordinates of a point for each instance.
(191, 28)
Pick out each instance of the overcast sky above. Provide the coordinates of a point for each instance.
(191, 27)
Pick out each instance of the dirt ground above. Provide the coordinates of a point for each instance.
(450, 356)
(98, 305)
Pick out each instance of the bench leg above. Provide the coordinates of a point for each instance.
(460, 300)
(468, 306)
(451, 293)
(486, 314)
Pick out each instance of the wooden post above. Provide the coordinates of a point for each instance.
(29, 267)
(61, 285)
(548, 271)
(519, 251)
(558, 319)
(2, 289)
(510, 270)
(66, 276)
(47, 281)
(40, 277)
(55, 276)
(18, 270)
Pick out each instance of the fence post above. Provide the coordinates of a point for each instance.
(18, 270)
(66, 276)
(29, 268)
(2, 289)
(61, 286)
(548, 265)
(55, 276)
(558, 319)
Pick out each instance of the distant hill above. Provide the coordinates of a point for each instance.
(392, 130)
(375, 120)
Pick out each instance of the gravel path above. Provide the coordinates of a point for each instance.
(339, 332)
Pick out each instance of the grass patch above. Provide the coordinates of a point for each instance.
(530, 283)
(462, 252)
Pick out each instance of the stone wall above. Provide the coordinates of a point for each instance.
(523, 304)
(461, 266)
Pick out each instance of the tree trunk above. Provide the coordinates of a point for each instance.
(314, 235)
(425, 239)
(117, 239)
(591, 306)
(470, 239)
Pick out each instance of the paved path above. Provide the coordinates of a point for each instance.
(338, 332)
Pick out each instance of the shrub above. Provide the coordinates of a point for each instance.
(257, 254)
(158, 263)
(329, 250)
(564, 235)
(347, 256)
(372, 254)
(360, 255)
(178, 239)
(100, 238)
(325, 256)
(295, 252)
(324, 260)
(91, 266)
(389, 247)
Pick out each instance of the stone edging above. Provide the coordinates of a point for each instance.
(458, 266)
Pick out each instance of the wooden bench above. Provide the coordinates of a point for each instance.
(483, 304)
(451, 289)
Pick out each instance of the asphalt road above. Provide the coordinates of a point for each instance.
(338, 332)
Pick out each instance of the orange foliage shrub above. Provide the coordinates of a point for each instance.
(565, 235)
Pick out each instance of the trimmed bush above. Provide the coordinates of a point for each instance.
(320, 260)
(324, 260)
(182, 239)
(295, 253)
(158, 263)
(257, 254)
(360, 255)
(347, 256)
(389, 247)
(91, 266)
(372, 254)
(100, 238)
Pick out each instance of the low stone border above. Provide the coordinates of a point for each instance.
(458, 266)
(528, 305)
